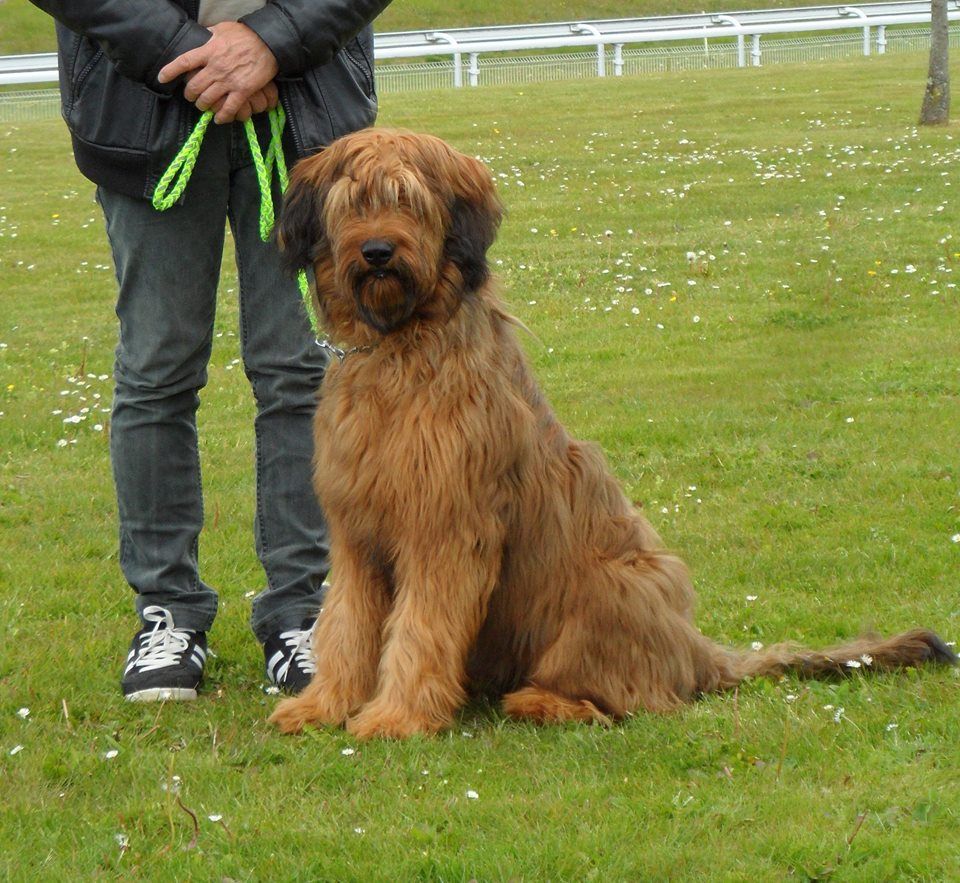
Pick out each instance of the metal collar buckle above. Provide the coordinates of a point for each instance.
(339, 353)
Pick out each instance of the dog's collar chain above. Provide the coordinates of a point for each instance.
(342, 354)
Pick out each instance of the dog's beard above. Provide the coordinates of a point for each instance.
(386, 297)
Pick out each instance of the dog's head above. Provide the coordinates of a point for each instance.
(395, 225)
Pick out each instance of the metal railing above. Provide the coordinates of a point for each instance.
(21, 70)
(520, 68)
(608, 37)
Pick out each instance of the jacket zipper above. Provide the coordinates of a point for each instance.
(291, 121)
(84, 73)
(192, 8)
(359, 61)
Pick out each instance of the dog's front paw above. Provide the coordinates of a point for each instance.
(379, 721)
(291, 716)
(313, 707)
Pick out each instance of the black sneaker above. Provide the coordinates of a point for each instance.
(164, 662)
(289, 657)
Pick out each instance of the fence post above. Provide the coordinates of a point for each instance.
(755, 51)
(853, 10)
(436, 37)
(881, 40)
(474, 69)
(618, 59)
(580, 28)
(741, 49)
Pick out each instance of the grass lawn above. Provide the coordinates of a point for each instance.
(744, 285)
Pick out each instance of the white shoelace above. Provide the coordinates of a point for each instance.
(300, 644)
(164, 645)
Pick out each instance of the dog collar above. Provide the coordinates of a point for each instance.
(342, 354)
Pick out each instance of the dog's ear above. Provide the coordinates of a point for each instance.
(300, 232)
(300, 229)
(475, 216)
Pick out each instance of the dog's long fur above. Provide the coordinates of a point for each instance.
(476, 546)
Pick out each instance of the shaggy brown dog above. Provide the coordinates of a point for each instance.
(475, 544)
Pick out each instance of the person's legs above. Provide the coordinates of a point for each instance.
(167, 266)
(285, 367)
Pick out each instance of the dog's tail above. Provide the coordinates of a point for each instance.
(867, 653)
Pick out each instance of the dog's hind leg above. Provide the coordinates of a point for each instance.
(346, 640)
(543, 707)
(622, 642)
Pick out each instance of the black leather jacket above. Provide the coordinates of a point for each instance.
(127, 127)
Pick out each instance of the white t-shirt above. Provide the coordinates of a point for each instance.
(214, 11)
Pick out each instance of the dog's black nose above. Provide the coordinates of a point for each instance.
(377, 252)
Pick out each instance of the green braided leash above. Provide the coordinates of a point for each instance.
(174, 180)
(264, 166)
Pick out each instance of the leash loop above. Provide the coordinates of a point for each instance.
(174, 180)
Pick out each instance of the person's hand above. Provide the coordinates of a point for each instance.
(226, 72)
(266, 98)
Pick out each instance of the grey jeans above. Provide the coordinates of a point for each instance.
(168, 266)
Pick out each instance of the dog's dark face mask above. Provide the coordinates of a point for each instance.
(386, 298)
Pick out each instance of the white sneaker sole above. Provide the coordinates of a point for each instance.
(163, 694)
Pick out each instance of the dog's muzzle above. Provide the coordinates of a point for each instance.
(386, 296)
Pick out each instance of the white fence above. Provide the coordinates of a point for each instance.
(611, 47)
(520, 69)
(611, 36)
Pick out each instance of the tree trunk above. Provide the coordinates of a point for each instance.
(936, 98)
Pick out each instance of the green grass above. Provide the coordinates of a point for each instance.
(791, 429)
